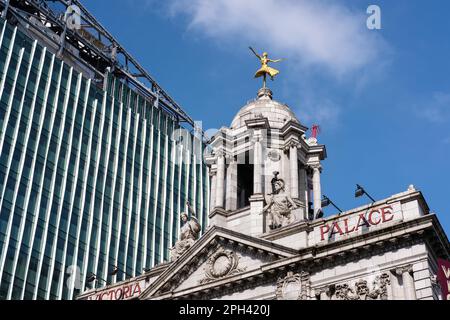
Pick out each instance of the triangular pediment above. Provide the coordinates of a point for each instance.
(219, 255)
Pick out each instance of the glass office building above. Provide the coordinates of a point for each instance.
(90, 177)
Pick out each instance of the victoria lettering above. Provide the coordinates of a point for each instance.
(342, 227)
(125, 292)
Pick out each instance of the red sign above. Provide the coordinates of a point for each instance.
(443, 276)
(131, 290)
(342, 227)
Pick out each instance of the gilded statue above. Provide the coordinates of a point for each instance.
(265, 69)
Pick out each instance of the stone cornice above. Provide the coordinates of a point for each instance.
(320, 149)
(288, 230)
(218, 211)
(439, 238)
(257, 123)
(228, 214)
(292, 127)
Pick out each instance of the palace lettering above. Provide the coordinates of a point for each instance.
(372, 218)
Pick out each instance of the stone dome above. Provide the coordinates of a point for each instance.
(277, 113)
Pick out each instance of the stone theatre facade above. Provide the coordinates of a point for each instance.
(267, 238)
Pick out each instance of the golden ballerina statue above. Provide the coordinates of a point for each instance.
(265, 69)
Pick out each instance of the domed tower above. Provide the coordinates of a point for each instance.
(265, 174)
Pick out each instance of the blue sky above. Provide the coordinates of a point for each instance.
(381, 97)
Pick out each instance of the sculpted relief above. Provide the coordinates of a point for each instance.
(221, 264)
(292, 287)
(361, 289)
(279, 205)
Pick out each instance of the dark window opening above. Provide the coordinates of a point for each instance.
(244, 183)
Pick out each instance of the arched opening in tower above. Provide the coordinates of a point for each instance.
(245, 182)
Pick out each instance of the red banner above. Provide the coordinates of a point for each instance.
(443, 276)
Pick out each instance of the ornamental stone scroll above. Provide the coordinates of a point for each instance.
(292, 287)
(221, 264)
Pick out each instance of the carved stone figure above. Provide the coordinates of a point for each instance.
(344, 292)
(380, 287)
(279, 205)
(189, 233)
(361, 290)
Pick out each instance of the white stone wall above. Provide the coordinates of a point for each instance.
(411, 210)
(261, 292)
(297, 240)
(240, 222)
(422, 280)
(369, 267)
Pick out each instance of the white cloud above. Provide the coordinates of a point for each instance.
(316, 33)
(437, 109)
(321, 111)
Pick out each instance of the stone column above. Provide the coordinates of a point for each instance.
(257, 199)
(409, 288)
(220, 183)
(302, 185)
(257, 164)
(317, 192)
(303, 191)
(293, 167)
(396, 289)
(213, 175)
(231, 187)
(285, 172)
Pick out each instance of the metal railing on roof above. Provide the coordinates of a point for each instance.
(97, 47)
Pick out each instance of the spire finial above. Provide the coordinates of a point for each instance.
(265, 93)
